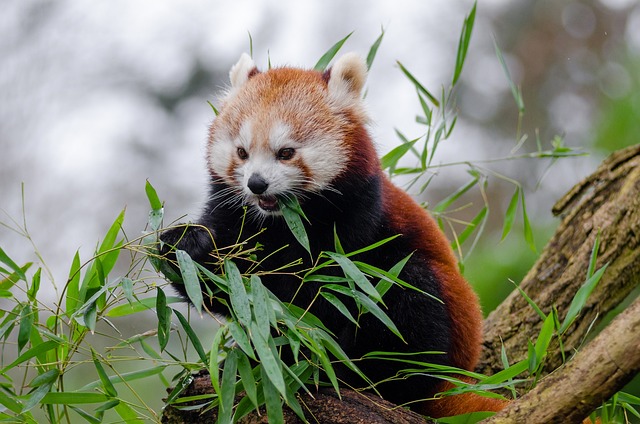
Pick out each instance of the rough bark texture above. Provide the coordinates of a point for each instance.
(568, 394)
(608, 203)
(323, 407)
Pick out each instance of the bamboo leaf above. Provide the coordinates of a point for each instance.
(418, 85)
(444, 204)
(370, 306)
(190, 279)
(390, 160)
(72, 297)
(227, 389)
(270, 363)
(341, 307)
(463, 44)
(272, 398)
(261, 310)
(528, 232)
(246, 376)
(292, 216)
(104, 378)
(510, 214)
(580, 299)
(163, 312)
(374, 49)
(351, 270)
(326, 58)
(26, 323)
(73, 398)
(237, 293)
(195, 341)
(152, 195)
(9, 262)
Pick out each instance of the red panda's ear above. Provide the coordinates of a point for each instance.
(347, 78)
(244, 69)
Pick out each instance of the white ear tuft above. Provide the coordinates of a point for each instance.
(348, 76)
(239, 73)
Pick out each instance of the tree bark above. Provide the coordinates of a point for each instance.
(607, 204)
(596, 373)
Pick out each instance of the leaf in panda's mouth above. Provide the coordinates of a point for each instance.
(292, 213)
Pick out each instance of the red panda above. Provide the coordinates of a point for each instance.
(294, 132)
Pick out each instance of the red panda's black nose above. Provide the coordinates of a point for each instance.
(257, 184)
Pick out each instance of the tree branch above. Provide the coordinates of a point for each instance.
(608, 203)
(596, 373)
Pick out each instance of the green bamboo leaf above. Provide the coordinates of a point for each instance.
(463, 44)
(261, 310)
(90, 316)
(418, 85)
(73, 398)
(227, 389)
(108, 387)
(35, 397)
(594, 256)
(477, 223)
(326, 58)
(8, 282)
(271, 398)
(533, 360)
(390, 160)
(84, 414)
(237, 293)
(268, 359)
(510, 215)
(139, 306)
(515, 90)
(127, 288)
(370, 306)
(31, 353)
(26, 324)
(374, 49)
(528, 232)
(152, 195)
(533, 304)
(341, 307)
(337, 245)
(195, 341)
(190, 279)
(580, 298)
(215, 111)
(35, 286)
(351, 270)
(163, 312)
(125, 377)
(444, 204)
(241, 339)
(108, 405)
(128, 414)
(215, 358)
(10, 402)
(11, 264)
(72, 297)
(292, 217)
(247, 378)
(544, 338)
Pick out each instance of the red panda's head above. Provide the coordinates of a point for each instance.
(286, 131)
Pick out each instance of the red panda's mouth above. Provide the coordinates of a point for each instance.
(268, 203)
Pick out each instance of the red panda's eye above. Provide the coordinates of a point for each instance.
(242, 154)
(286, 154)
